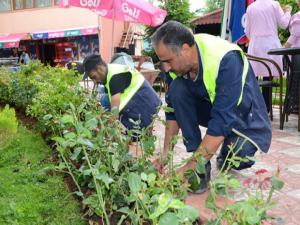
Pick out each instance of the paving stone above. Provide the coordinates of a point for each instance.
(294, 168)
(294, 152)
(284, 153)
(295, 194)
(291, 140)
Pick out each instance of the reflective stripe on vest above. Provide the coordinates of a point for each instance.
(137, 81)
(172, 75)
(212, 50)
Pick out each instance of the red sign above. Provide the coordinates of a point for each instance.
(88, 31)
(11, 44)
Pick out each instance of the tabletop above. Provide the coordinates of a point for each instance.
(284, 51)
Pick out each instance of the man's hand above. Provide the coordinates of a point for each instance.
(159, 164)
(190, 165)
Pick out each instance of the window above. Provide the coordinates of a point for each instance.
(5, 5)
(43, 3)
(27, 4)
(18, 4)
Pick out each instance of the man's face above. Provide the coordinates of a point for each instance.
(95, 75)
(172, 61)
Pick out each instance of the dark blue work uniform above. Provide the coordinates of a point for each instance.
(193, 107)
(142, 106)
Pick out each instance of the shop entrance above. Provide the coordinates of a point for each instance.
(49, 53)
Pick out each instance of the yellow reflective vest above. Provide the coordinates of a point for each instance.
(212, 50)
(137, 81)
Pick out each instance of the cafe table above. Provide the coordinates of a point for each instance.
(291, 58)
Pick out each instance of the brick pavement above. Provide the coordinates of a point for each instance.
(284, 153)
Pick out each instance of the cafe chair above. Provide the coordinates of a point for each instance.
(273, 82)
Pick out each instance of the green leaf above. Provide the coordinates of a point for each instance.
(214, 222)
(200, 166)
(234, 183)
(86, 142)
(72, 108)
(76, 153)
(59, 140)
(134, 182)
(67, 119)
(134, 219)
(163, 204)
(151, 179)
(176, 204)
(168, 109)
(70, 135)
(48, 117)
(91, 124)
(144, 176)
(61, 166)
(78, 193)
(276, 183)
(168, 219)
(107, 180)
(210, 202)
(251, 214)
(188, 213)
(124, 210)
(87, 172)
(91, 201)
(115, 165)
(164, 199)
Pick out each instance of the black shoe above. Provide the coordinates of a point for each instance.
(220, 162)
(199, 183)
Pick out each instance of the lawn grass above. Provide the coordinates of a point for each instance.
(27, 195)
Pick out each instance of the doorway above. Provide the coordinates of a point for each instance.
(49, 53)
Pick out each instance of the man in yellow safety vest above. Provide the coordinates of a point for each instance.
(127, 90)
(213, 86)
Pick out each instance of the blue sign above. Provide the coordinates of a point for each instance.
(40, 36)
(238, 9)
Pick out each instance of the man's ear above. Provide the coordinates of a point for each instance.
(102, 69)
(185, 47)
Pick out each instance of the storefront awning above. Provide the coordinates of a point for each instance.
(210, 18)
(12, 40)
(64, 33)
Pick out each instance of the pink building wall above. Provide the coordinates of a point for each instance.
(54, 18)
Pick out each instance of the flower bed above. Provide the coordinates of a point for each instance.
(112, 184)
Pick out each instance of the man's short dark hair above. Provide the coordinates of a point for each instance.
(91, 61)
(173, 34)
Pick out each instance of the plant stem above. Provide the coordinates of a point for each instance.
(99, 192)
(270, 195)
(71, 174)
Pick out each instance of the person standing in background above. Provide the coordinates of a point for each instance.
(294, 27)
(263, 17)
(24, 58)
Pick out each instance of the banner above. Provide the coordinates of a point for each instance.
(237, 19)
(234, 19)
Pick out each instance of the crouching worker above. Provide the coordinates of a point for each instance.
(213, 86)
(127, 90)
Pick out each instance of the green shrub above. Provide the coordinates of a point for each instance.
(5, 82)
(8, 125)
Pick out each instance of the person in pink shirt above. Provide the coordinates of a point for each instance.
(294, 39)
(263, 17)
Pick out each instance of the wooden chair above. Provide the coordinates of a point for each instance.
(271, 83)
